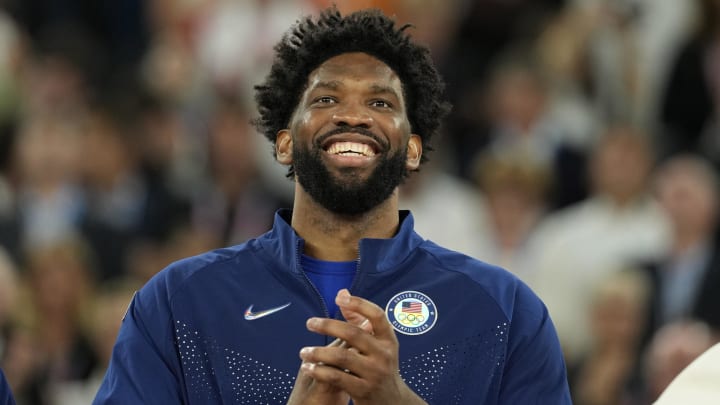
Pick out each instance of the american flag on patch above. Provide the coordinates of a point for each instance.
(412, 307)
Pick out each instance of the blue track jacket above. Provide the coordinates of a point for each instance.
(226, 327)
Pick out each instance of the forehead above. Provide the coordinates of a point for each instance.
(355, 67)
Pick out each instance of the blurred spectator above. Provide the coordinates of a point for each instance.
(235, 204)
(691, 101)
(515, 191)
(672, 349)
(49, 202)
(483, 30)
(122, 205)
(608, 374)
(686, 280)
(23, 364)
(236, 38)
(459, 226)
(618, 225)
(108, 310)
(524, 118)
(61, 279)
(53, 82)
(169, 66)
(105, 38)
(48, 344)
(615, 53)
(170, 153)
(436, 20)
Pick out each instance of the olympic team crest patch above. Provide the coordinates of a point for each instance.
(411, 313)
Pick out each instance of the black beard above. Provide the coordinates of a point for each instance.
(347, 194)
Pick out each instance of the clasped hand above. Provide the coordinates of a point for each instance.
(362, 364)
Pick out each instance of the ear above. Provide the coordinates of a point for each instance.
(414, 152)
(283, 147)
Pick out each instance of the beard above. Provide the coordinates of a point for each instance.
(348, 194)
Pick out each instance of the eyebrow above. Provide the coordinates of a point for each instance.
(374, 89)
(330, 85)
(380, 89)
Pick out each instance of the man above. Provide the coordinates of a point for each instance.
(350, 105)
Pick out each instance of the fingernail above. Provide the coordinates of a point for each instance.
(307, 366)
(343, 297)
(305, 351)
(312, 323)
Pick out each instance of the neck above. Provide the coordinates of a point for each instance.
(335, 237)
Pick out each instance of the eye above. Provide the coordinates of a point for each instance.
(324, 100)
(380, 104)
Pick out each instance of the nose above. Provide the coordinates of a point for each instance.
(353, 116)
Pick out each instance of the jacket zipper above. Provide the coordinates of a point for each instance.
(309, 283)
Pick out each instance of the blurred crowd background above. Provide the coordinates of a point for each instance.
(582, 155)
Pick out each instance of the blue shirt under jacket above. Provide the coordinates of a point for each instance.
(226, 327)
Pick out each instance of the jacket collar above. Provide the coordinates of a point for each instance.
(376, 255)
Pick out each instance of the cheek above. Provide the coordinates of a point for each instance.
(306, 119)
(306, 125)
(401, 124)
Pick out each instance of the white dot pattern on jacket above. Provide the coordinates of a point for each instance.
(429, 374)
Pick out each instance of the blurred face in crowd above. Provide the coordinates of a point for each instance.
(48, 152)
(232, 151)
(687, 190)
(107, 156)
(517, 98)
(618, 312)
(620, 165)
(60, 278)
(349, 138)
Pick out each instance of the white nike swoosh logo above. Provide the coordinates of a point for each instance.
(251, 316)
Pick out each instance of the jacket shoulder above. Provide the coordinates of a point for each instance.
(505, 288)
(177, 275)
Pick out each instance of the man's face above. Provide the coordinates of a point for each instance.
(349, 137)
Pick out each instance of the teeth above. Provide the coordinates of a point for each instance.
(350, 148)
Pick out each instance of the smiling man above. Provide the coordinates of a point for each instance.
(342, 300)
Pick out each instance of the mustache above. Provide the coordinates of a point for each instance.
(345, 129)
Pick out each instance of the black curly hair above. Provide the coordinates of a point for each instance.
(311, 42)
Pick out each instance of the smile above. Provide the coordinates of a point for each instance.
(350, 149)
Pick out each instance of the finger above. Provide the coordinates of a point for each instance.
(353, 336)
(365, 325)
(331, 375)
(369, 310)
(343, 359)
(303, 380)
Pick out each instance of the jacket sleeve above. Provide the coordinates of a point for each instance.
(144, 368)
(535, 371)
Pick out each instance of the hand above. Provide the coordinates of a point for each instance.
(308, 391)
(366, 365)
